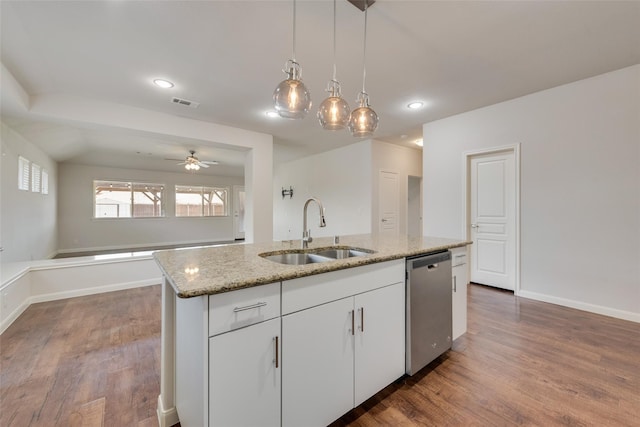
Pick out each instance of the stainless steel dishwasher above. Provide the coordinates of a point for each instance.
(428, 309)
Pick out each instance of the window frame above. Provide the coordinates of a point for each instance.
(36, 177)
(131, 186)
(24, 173)
(44, 177)
(179, 189)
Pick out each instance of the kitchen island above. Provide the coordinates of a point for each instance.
(240, 331)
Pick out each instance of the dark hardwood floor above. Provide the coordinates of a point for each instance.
(94, 361)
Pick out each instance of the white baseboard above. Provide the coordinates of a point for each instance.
(166, 417)
(94, 290)
(7, 321)
(592, 308)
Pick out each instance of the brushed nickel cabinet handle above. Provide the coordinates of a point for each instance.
(455, 283)
(362, 319)
(249, 307)
(276, 338)
(353, 322)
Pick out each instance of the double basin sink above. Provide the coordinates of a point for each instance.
(312, 256)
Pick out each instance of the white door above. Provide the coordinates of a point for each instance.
(380, 339)
(238, 212)
(492, 217)
(317, 393)
(388, 203)
(243, 373)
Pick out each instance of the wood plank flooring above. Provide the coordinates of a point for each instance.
(94, 361)
(522, 362)
(87, 361)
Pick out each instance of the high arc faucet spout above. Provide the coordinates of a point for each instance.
(306, 233)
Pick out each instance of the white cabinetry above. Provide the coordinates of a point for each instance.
(379, 340)
(318, 356)
(344, 340)
(244, 376)
(233, 380)
(460, 280)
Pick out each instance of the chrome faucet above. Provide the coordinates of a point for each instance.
(306, 233)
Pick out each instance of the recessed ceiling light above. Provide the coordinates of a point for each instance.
(415, 105)
(272, 114)
(418, 142)
(165, 84)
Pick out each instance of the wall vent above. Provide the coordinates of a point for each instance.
(185, 102)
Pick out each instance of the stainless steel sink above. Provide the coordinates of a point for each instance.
(307, 256)
(342, 253)
(296, 258)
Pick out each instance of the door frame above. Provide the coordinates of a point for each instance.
(421, 207)
(235, 197)
(466, 197)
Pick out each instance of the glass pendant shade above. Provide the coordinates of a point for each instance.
(334, 111)
(363, 121)
(292, 99)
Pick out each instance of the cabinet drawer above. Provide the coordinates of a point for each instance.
(244, 307)
(299, 294)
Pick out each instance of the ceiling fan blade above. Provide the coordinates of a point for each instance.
(181, 163)
(202, 165)
(209, 162)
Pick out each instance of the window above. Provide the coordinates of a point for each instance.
(35, 178)
(116, 199)
(201, 201)
(23, 173)
(45, 182)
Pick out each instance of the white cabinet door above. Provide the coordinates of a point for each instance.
(460, 280)
(379, 340)
(317, 357)
(244, 379)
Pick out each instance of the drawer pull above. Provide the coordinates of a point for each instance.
(249, 307)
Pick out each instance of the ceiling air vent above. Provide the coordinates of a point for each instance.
(185, 102)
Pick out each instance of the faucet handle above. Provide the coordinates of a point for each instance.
(336, 239)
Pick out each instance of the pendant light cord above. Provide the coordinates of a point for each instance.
(334, 40)
(364, 50)
(294, 31)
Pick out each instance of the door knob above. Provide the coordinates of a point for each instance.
(384, 220)
(474, 226)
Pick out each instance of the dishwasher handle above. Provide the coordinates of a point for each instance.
(430, 261)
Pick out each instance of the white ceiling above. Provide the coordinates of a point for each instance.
(228, 55)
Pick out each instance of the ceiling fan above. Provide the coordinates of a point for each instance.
(193, 163)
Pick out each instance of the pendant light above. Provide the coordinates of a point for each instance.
(334, 111)
(363, 121)
(292, 99)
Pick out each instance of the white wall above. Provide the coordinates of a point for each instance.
(28, 220)
(79, 231)
(401, 160)
(340, 178)
(346, 181)
(580, 187)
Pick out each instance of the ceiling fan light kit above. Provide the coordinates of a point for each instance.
(292, 99)
(192, 163)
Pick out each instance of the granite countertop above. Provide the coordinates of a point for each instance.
(216, 269)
